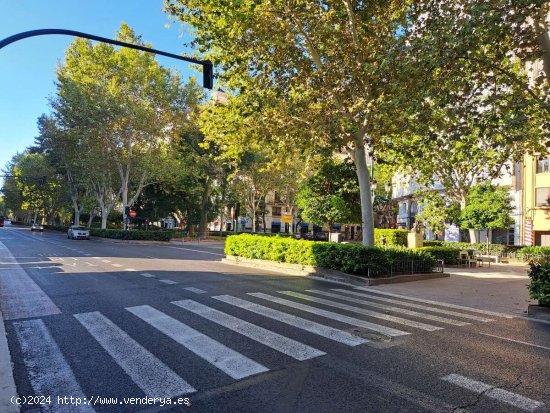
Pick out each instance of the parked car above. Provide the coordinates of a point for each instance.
(78, 232)
(37, 227)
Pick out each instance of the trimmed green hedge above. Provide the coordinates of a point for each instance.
(539, 288)
(394, 237)
(61, 228)
(447, 254)
(535, 251)
(349, 258)
(132, 234)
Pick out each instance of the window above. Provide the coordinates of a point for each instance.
(543, 197)
(277, 198)
(276, 211)
(543, 165)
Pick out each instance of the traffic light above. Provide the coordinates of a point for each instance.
(127, 211)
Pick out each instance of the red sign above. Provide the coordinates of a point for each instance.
(528, 232)
(133, 213)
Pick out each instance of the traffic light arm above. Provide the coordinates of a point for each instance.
(207, 67)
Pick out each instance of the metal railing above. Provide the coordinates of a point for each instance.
(405, 267)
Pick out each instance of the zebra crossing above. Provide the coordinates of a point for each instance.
(264, 320)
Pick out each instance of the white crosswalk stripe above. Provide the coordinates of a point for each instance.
(390, 308)
(285, 345)
(504, 396)
(229, 361)
(49, 372)
(422, 300)
(374, 314)
(419, 306)
(391, 332)
(148, 372)
(295, 321)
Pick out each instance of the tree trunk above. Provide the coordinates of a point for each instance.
(204, 211)
(104, 216)
(263, 221)
(91, 218)
(359, 157)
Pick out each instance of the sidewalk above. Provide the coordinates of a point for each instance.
(500, 288)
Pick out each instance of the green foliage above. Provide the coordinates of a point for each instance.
(394, 237)
(539, 288)
(61, 228)
(331, 195)
(447, 254)
(487, 207)
(349, 258)
(132, 235)
(537, 252)
(437, 211)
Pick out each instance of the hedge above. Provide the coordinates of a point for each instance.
(349, 258)
(447, 254)
(132, 235)
(394, 237)
(536, 251)
(61, 228)
(539, 288)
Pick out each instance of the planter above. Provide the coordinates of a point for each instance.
(539, 311)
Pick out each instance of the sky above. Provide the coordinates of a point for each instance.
(27, 67)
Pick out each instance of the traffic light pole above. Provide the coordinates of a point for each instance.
(207, 66)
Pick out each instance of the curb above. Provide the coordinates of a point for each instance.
(7, 382)
(325, 273)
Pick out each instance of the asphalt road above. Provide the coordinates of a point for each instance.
(105, 321)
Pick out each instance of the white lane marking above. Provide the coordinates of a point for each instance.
(229, 361)
(130, 269)
(419, 306)
(146, 274)
(516, 341)
(393, 309)
(149, 373)
(334, 316)
(204, 252)
(295, 321)
(195, 290)
(285, 345)
(167, 281)
(496, 393)
(20, 296)
(374, 314)
(117, 265)
(422, 300)
(107, 261)
(49, 372)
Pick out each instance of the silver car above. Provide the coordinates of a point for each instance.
(78, 232)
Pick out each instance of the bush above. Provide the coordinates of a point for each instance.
(539, 288)
(394, 237)
(132, 235)
(447, 254)
(349, 258)
(433, 243)
(61, 228)
(527, 253)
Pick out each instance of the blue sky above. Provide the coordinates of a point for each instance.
(27, 67)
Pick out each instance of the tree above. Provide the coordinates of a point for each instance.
(438, 210)
(331, 195)
(294, 78)
(489, 207)
(127, 108)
